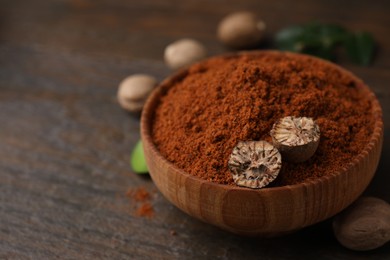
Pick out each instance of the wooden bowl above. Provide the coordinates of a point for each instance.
(260, 212)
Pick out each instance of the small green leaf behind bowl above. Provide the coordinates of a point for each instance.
(312, 38)
(137, 159)
(360, 47)
(324, 40)
(290, 39)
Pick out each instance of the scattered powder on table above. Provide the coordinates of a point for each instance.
(142, 199)
(224, 100)
(145, 210)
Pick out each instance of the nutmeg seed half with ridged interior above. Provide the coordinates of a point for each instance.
(254, 164)
(296, 138)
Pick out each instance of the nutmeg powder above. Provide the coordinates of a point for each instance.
(224, 100)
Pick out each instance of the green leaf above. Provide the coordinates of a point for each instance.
(290, 39)
(360, 48)
(324, 36)
(137, 159)
(312, 38)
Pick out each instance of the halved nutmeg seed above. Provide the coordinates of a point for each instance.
(296, 138)
(254, 164)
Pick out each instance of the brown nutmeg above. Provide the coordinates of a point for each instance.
(184, 52)
(365, 225)
(241, 30)
(134, 90)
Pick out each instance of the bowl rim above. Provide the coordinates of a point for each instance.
(147, 113)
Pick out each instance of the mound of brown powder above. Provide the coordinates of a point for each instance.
(224, 100)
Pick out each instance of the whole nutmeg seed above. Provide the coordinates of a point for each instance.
(241, 30)
(254, 164)
(297, 138)
(365, 225)
(134, 90)
(184, 52)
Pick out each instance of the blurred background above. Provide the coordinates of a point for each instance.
(66, 187)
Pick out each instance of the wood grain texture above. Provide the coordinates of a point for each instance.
(267, 211)
(65, 143)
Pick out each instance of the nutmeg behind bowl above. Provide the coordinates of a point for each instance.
(269, 211)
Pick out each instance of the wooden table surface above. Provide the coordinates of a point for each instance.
(65, 143)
